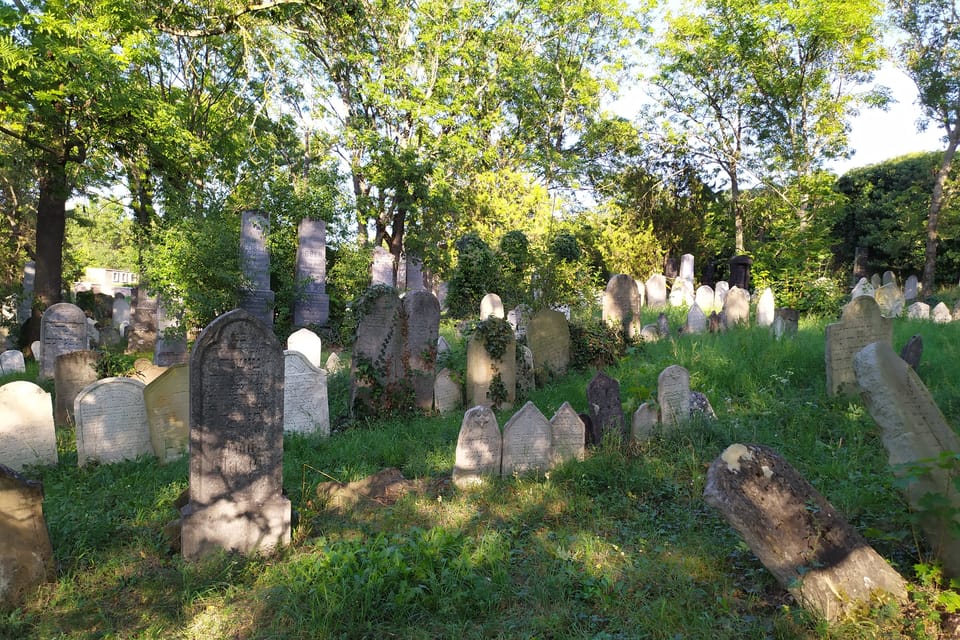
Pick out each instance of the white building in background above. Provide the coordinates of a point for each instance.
(107, 281)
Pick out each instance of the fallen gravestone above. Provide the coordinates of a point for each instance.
(26, 556)
(479, 448)
(27, 434)
(859, 325)
(111, 421)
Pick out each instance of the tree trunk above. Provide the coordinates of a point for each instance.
(936, 204)
(739, 248)
(51, 224)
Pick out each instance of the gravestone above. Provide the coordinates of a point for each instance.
(549, 339)
(491, 307)
(671, 267)
(940, 314)
(704, 297)
(167, 403)
(27, 434)
(649, 333)
(720, 290)
(309, 344)
(526, 381)
(422, 312)
(526, 442)
(912, 351)
(681, 293)
(305, 405)
(918, 311)
(740, 272)
(377, 361)
(170, 349)
(479, 448)
(714, 322)
(642, 292)
(786, 322)
(766, 308)
(72, 372)
(686, 268)
(63, 329)
(333, 364)
(568, 435)
(644, 422)
(381, 271)
(621, 305)
(915, 434)
(25, 306)
(859, 325)
(12, 362)
(483, 371)
(861, 263)
(876, 281)
(736, 307)
(889, 277)
(890, 300)
(796, 533)
(110, 337)
(700, 406)
(519, 319)
(93, 334)
(447, 392)
(111, 421)
(312, 304)
(26, 555)
(35, 347)
(863, 288)
(442, 345)
(121, 311)
(663, 326)
(236, 440)
(142, 331)
(413, 274)
(606, 410)
(656, 287)
(256, 296)
(911, 288)
(696, 320)
(673, 395)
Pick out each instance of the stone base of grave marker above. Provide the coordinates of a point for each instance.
(234, 526)
(170, 351)
(311, 308)
(259, 303)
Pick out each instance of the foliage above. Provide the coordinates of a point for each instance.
(111, 363)
(347, 278)
(595, 345)
(99, 234)
(515, 260)
(477, 273)
(495, 334)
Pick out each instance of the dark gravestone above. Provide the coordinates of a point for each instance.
(170, 349)
(72, 372)
(142, 332)
(913, 351)
(26, 556)
(740, 272)
(256, 296)
(606, 410)
(811, 550)
(312, 306)
(861, 263)
(236, 440)
(590, 436)
(714, 324)
(663, 326)
(422, 315)
(377, 363)
(671, 267)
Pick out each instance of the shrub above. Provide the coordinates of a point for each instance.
(593, 343)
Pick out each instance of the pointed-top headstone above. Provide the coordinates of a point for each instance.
(568, 435)
(526, 442)
(859, 325)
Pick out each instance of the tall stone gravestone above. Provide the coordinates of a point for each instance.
(567, 435)
(63, 329)
(381, 271)
(766, 307)
(27, 435)
(167, 403)
(673, 395)
(26, 555)
(305, 404)
(621, 305)
(859, 325)
(377, 361)
(422, 316)
(309, 344)
(915, 434)
(491, 307)
(796, 533)
(142, 332)
(12, 362)
(686, 268)
(911, 288)
(740, 272)
(479, 448)
(25, 306)
(549, 339)
(312, 305)
(73, 371)
(526, 442)
(256, 297)
(484, 370)
(606, 410)
(236, 440)
(120, 314)
(656, 287)
(736, 307)
(111, 421)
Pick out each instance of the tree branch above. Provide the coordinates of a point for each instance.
(226, 22)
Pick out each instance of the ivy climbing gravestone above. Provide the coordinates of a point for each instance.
(376, 368)
(492, 365)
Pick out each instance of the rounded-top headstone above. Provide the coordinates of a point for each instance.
(308, 343)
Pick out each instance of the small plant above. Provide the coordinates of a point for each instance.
(496, 334)
(112, 364)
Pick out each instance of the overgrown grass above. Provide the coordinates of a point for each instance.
(620, 545)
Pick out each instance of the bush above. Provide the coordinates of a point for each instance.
(477, 273)
(595, 344)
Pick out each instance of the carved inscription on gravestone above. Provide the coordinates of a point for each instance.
(312, 305)
(673, 395)
(549, 339)
(526, 442)
(63, 329)
(859, 325)
(305, 406)
(422, 316)
(72, 372)
(27, 435)
(378, 349)
(111, 421)
(568, 435)
(479, 447)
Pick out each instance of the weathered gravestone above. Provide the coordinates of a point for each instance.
(642, 292)
(663, 326)
(656, 287)
(120, 313)
(479, 448)
(26, 556)
(422, 317)
(142, 332)
(334, 364)
(25, 306)
(796, 533)
(876, 281)
(606, 409)
(736, 307)
(696, 320)
(312, 305)
(673, 395)
(686, 267)
(447, 392)
(720, 291)
(63, 329)
(146, 371)
(681, 293)
(766, 307)
(12, 362)
(93, 334)
(786, 322)
(889, 277)
(740, 272)
(236, 440)
(917, 437)
(72, 372)
(645, 420)
(491, 307)
(549, 339)
(526, 442)
(167, 403)
(27, 435)
(859, 325)
(492, 377)
(256, 296)
(911, 288)
(704, 297)
(381, 271)
(890, 300)
(111, 421)
(863, 288)
(305, 405)
(568, 435)
(940, 313)
(377, 364)
(714, 322)
(649, 333)
(35, 347)
(912, 351)
(526, 382)
(170, 349)
(309, 344)
(918, 311)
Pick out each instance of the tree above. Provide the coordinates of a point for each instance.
(930, 55)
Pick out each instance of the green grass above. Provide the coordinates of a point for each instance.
(620, 545)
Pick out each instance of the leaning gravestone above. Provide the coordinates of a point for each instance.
(621, 305)
(696, 320)
(167, 403)
(312, 305)
(859, 325)
(73, 372)
(26, 555)
(804, 542)
(526, 442)
(736, 307)
(890, 300)
(549, 339)
(704, 297)
(912, 351)
(766, 307)
(484, 370)
(447, 392)
(27, 434)
(381, 270)
(568, 435)
(236, 440)
(916, 435)
(256, 297)
(606, 410)
(911, 288)
(309, 344)
(645, 420)
(673, 395)
(422, 317)
(142, 331)
(377, 361)
(918, 311)
(479, 448)
(305, 405)
(12, 362)
(491, 307)
(111, 421)
(63, 329)
(656, 287)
